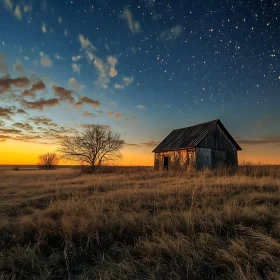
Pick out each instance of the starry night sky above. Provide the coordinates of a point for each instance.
(142, 67)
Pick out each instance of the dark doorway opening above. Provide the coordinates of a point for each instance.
(165, 163)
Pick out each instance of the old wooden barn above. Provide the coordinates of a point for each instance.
(206, 145)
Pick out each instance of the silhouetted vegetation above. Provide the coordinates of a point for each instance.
(48, 161)
(96, 146)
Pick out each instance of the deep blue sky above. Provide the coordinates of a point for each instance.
(152, 65)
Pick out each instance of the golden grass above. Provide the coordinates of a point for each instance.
(139, 224)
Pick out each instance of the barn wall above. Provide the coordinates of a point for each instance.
(203, 158)
(178, 160)
(217, 139)
(211, 158)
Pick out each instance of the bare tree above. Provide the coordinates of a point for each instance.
(97, 145)
(48, 161)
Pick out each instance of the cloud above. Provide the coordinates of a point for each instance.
(44, 28)
(151, 143)
(35, 87)
(26, 58)
(43, 121)
(64, 94)
(8, 4)
(18, 12)
(172, 33)
(90, 56)
(27, 8)
(103, 70)
(24, 126)
(76, 68)
(6, 83)
(6, 112)
(73, 82)
(126, 82)
(21, 111)
(133, 25)
(66, 33)
(89, 101)
(76, 58)
(9, 130)
(40, 104)
(132, 144)
(3, 65)
(112, 60)
(85, 43)
(18, 67)
(267, 139)
(141, 107)
(59, 19)
(58, 57)
(116, 115)
(113, 72)
(87, 114)
(45, 60)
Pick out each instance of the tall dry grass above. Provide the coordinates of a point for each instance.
(140, 224)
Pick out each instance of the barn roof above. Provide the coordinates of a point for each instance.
(190, 137)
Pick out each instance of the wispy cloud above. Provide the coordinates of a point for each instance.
(45, 60)
(133, 25)
(88, 114)
(116, 115)
(44, 28)
(112, 62)
(18, 66)
(6, 83)
(105, 69)
(7, 112)
(76, 68)
(73, 83)
(64, 94)
(141, 107)
(89, 101)
(59, 20)
(85, 43)
(172, 33)
(8, 4)
(40, 104)
(58, 57)
(76, 58)
(38, 86)
(151, 143)
(266, 139)
(126, 82)
(18, 13)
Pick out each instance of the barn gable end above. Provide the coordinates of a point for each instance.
(217, 139)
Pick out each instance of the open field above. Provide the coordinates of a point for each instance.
(135, 223)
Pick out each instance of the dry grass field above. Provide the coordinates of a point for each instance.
(135, 223)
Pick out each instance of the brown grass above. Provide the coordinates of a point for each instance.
(134, 223)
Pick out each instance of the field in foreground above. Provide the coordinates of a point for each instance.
(139, 224)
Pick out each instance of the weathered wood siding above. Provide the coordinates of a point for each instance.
(211, 158)
(217, 139)
(203, 158)
(177, 160)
